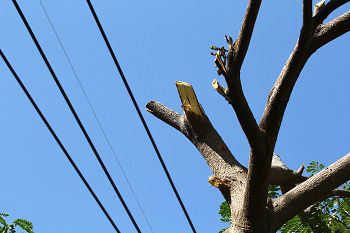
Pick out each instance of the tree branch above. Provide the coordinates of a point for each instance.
(236, 54)
(326, 10)
(210, 144)
(245, 33)
(234, 94)
(167, 115)
(244, 114)
(316, 188)
(340, 193)
(281, 91)
(330, 31)
(281, 175)
(214, 150)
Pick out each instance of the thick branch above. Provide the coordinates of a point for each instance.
(214, 150)
(326, 10)
(234, 94)
(316, 188)
(282, 90)
(330, 31)
(246, 32)
(210, 144)
(236, 55)
(244, 113)
(281, 175)
(167, 115)
(307, 20)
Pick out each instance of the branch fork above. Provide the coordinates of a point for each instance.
(246, 188)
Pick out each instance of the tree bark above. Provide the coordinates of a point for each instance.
(245, 189)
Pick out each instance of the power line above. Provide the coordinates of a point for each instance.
(140, 114)
(75, 115)
(58, 140)
(95, 115)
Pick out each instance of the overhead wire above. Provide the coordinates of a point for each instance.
(94, 114)
(58, 141)
(140, 114)
(81, 126)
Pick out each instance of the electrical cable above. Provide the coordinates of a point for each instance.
(58, 140)
(140, 114)
(95, 115)
(75, 115)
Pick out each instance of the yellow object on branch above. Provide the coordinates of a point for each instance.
(188, 98)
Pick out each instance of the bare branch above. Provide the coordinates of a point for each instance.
(244, 113)
(318, 6)
(234, 94)
(209, 144)
(340, 193)
(235, 57)
(281, 175)
(245, 33)
(221, 90)
(316, 188)
(223, 186)
(281, 91)
(330, 31)
(326, 10)
(307, 20)
(167, 115)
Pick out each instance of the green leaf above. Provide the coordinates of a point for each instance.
(225, 212)
(314, 167)
(273, 191)
(2, 221)
(24, 224)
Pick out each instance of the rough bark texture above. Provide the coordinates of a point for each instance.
(245, 189)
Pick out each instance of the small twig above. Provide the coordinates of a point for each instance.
(336, 219)
(221, 90)
(301, 169)
(220, 65)
(318, 6)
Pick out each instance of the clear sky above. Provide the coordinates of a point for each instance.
(156, 42)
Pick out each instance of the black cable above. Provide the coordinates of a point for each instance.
(139, 113)
(95, 116)
(75, 115)
(57, 140)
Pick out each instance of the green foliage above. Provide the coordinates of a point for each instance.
(11, 228)
(225, 212)
(273, 191)
(314, 167)
(329, 216)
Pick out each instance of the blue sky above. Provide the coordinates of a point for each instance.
(156, 42)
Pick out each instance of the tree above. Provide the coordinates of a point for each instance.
(11, 228)
(330, 215)
(246, 189)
